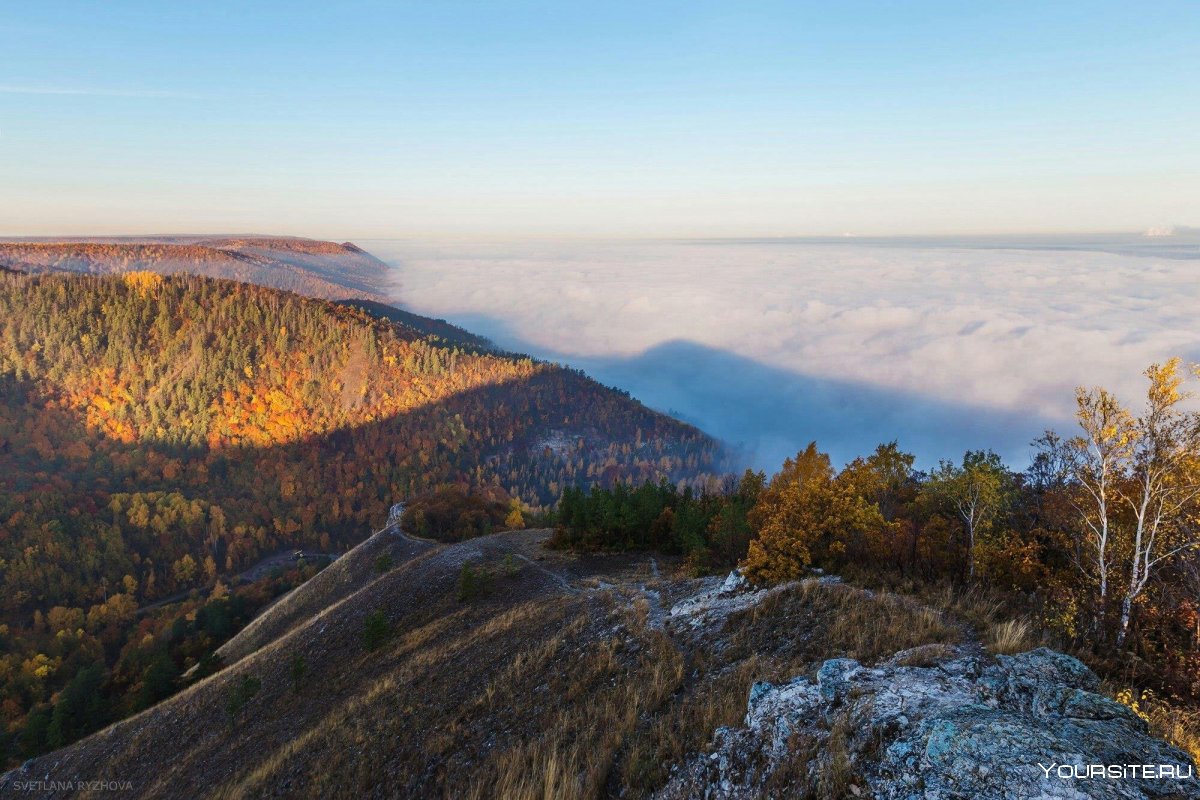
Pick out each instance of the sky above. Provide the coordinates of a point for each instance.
(613, 119)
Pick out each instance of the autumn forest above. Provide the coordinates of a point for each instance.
(159, 435)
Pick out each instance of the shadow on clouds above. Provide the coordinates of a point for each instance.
(766, 413)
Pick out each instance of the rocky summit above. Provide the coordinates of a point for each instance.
(1022, 726)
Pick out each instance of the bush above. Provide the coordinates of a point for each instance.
(376, 630)
(210, 664)
(384, 563)
(240, 694)
(451, 514)
(472, 583)
(158, 681)
(298, 671)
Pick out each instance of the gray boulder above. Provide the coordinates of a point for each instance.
(1023, 726)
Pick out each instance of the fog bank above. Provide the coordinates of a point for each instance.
(941, 345)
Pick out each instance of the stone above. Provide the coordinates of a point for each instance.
(1029, 725)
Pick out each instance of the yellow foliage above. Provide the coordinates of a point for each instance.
(143, 282)
(515, 519)
(1128, 698)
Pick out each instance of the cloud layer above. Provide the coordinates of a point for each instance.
(771, 344)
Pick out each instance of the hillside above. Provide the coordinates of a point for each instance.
(305, 266)
(580, 676)
(159, 434)
(334, 583)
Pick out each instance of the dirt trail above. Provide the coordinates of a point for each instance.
(558, 578)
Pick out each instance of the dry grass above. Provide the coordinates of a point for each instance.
(1177, 724)
(1010, 636)
(534, 772)
(340, 579)
(789, 633)
(831, 621)
(990, 615)
(872, 628)
(926, 655)
(686, 726)
(602, 702)
(528, 693)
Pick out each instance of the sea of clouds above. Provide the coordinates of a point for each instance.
(943, 346)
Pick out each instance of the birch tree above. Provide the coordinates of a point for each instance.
(975, 491)
(1163, 483)
(1095, 462)
(1135, 484)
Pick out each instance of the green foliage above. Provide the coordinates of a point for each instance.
(473, 582)
(35, 734)
(81, 708)
(711, 528)
(383, 563)
(158, 682)
(298, 671)
(240, 693)
(210, 664)
(976, 492)
(376, 630)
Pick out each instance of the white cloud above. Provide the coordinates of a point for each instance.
(943, 348)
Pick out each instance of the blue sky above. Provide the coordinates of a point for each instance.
(356, 120)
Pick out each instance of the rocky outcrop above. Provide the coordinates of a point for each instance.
(710, 607)
(1023, 726)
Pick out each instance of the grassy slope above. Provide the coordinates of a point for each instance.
(558, 682)
(343, 577)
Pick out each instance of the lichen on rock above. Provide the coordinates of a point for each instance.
(1022, 726)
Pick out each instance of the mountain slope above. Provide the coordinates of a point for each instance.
(560, 676)
(451, 334)
(565, 676)
(160, 433)
(306, 266)
(340, 579)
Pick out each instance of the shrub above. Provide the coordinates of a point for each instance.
(240, 694)
(472, 583)
(298, 671)
(452, 514)
(376, 630)
(210, 664)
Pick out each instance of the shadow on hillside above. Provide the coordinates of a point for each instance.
(767, 413)
(521, 433)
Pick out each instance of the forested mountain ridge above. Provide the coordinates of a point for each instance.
(158, 432)
(306, 266)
